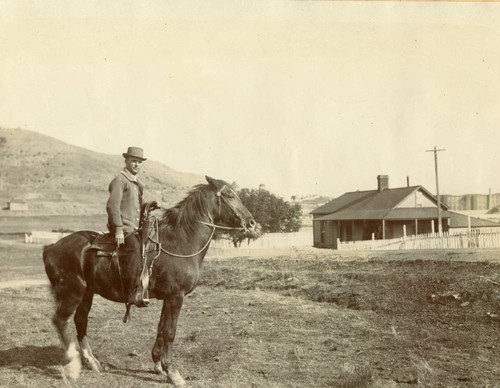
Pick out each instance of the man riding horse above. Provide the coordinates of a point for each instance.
(124, 208)
(178, 242)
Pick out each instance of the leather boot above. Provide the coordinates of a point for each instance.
(129, 257)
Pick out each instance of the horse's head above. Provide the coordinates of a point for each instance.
(228, 208)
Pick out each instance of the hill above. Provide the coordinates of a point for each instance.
(31, 160)
(38, 168)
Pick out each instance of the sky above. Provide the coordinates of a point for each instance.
(306, 97)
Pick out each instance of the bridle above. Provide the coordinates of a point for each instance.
(211, 224)
(220, 198)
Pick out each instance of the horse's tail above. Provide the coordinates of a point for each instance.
(45, 249)
(48, 262)
(63, 263)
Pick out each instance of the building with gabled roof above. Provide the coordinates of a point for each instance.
(460, 223)
(383, 213)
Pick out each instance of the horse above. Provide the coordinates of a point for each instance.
(76, 273)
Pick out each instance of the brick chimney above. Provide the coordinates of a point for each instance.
(383, 182)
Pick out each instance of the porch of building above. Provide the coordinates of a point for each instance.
(326, 232)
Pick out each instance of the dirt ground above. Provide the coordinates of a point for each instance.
(314, 318)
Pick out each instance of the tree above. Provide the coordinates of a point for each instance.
(272, 214)
(238, 236)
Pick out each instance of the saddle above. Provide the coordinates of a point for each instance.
(104, 244)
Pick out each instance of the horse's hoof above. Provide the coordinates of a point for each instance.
(158, 369)
(93, 364)
(176, 378)
(73, 368)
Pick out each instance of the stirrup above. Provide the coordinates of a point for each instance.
(139, 297)
(141, 302)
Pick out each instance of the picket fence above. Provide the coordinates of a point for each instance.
(271, 240)
(473, 239)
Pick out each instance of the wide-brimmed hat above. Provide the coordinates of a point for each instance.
(135, 152)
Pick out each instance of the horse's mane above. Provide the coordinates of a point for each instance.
(186, 214)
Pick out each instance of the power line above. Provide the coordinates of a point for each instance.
(440, 222)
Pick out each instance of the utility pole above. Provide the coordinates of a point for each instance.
(440, 222)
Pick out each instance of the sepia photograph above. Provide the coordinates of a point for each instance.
(249, 193)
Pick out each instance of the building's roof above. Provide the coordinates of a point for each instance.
(377, 205)
(367, 200)
(343, 201)
(458, 220)
(373, 203)
(494, 210)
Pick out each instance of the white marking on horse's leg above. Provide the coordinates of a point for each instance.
(74, 366)
(159, 369)
(88, 357)
(176, 378)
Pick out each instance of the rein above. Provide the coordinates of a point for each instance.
(184, 256)
(211, 224)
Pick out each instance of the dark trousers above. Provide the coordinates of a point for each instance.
(129, 256)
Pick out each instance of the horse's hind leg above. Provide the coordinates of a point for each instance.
(81, 320)
(158, 347)
(67, 300)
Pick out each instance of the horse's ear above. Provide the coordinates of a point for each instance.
(211, 181)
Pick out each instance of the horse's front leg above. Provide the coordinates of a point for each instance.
(166, 335)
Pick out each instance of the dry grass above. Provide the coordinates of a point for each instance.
(258, 323)
(354, 376)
